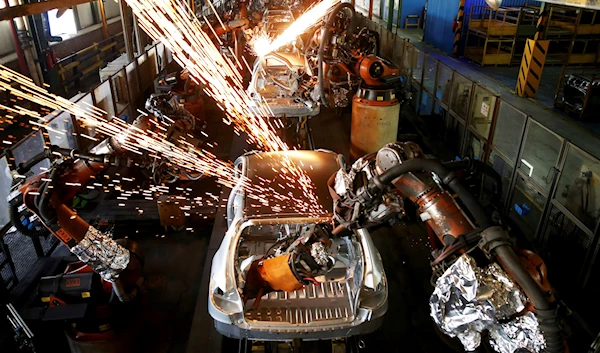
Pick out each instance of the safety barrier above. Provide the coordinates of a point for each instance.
(75, 67)
(545, 176)
(532, 66)
(120, 94)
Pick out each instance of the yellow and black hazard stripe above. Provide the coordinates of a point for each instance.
(458, 29)
(541, 23)
(532, 66)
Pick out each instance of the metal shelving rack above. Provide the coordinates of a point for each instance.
(491, 35)
(498, 37)
(574, 36)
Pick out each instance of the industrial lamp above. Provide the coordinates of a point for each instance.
(494, 4)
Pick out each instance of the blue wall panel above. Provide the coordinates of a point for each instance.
(441, 14)
(411, 7)
(438, 27)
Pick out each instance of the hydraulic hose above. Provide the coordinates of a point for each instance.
(324, 41)
(25, 167)
(545, 310)
(447, 178)
(45, 211)
(479, 166)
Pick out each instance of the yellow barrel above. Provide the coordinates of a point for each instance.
(375, 116)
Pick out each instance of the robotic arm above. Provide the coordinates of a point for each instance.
(400, 169)
(48, 195)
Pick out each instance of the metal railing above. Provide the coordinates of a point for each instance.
(76, 66)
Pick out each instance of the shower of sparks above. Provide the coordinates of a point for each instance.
(182, 154)
(175, 25)
(262, 45)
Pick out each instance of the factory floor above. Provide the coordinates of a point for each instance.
(172, 313)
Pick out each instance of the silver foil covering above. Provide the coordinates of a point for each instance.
(99, 251)
(522, 332)
(468, 300)
(344, 180)
(319, 254)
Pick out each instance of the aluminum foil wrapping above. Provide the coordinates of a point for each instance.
(344, 181)
(468, 300)
(99, 251)
(522, 332)
(319, 254)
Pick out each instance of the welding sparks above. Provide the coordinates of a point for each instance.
(175, 25)
(183, 155)
(262, 45)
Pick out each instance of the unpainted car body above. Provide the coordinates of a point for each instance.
(348, 300)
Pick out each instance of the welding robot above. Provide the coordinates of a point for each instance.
(89, 293)
(348, 62)
(487, 292)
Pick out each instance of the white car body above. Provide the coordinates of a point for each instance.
(350, 300)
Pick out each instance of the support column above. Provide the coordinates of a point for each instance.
(390, 20)
(140, 36)
(460, 17)
(24, 36)
(541, 24)
(103, 17)
(15, 35)
(371, 9)
(127, 29)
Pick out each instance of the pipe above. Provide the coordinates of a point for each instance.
(544, 310)
(447, 178)
(478, 167)
(103, 17)
(26, 47)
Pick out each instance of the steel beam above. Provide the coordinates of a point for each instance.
(11, 12)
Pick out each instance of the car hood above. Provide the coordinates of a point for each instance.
(265, 169)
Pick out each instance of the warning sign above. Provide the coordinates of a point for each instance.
(485, 109)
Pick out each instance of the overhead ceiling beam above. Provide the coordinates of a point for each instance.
(35, 8)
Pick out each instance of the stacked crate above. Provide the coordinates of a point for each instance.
(491, 35)
(574, 35)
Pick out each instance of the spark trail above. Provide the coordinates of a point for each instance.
(139, 141)
(173, 23)
(263, 45)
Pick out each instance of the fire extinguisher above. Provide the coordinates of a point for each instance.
(50, 59)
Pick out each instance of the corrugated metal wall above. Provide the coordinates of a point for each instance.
(438, 26)
(411, 7)
(441, 14)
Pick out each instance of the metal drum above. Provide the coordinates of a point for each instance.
(375, 116)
